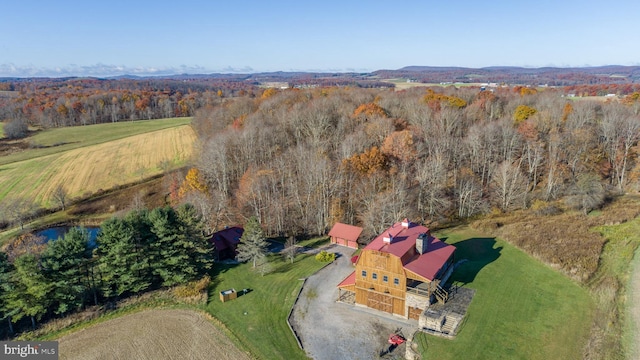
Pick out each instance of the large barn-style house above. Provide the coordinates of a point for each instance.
(400, 271)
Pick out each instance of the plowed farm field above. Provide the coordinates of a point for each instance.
(85, 170)
(151, 334)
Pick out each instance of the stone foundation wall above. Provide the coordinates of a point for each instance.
(416, 301)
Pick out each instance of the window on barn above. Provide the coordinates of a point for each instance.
(385, 278)
(364, 273)
(396, 281)
(374, 276)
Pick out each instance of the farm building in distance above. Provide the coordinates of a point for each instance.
(225, 242)
(400, 271)
(346, 235)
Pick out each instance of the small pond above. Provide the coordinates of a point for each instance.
(53, 233)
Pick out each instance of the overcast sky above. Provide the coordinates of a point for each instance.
(102, 38)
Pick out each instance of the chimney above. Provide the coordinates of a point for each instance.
(421, 243)
(406, 223)
(388, 239)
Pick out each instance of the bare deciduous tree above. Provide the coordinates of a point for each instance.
(19, 210)
(587, 194)
(60, 196)
(509, 185)
(290, 249)
(469, 196)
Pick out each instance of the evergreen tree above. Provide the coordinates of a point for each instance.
(119, 254)
(64, 264)
(5, 289)
(191, 228)
(171, 263)
(30, 291)
(143, 237)
(253, 245)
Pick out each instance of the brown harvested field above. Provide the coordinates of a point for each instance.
(152, 334)
(86, 170)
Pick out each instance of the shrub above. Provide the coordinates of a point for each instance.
(541, 207)
(192, 288)
(16, 129)
(324, 256)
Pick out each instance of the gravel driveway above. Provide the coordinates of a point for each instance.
(331, 330)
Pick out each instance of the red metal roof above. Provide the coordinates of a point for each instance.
(404, 240)
(349, 280)
(428, 264)
(229, 237)
(344, 231)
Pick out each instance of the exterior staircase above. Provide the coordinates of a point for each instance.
(441, 294)
(449, 326)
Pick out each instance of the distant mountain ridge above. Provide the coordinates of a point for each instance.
(552, 76)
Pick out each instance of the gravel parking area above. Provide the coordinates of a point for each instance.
(331, 330)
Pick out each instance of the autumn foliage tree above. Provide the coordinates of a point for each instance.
(522, 113)
(193, 181)
(566, 111)
(434, 99)
(401, 145)
(368, 162)
(370, 109)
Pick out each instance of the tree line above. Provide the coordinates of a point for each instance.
(144, 250)
(300, 160)
(48, 103)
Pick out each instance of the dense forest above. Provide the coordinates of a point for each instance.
(57, 102)
(48, 103)
(300, 160)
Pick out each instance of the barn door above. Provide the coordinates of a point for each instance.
(380, 302)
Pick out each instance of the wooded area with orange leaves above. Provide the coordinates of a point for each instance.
(49, 103)
(299, 160)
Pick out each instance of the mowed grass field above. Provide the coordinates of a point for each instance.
(258, 318)
(151, 334)
(95, 158)
(522, 309)
(52, 141)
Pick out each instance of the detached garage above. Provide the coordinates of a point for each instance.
(345, 235)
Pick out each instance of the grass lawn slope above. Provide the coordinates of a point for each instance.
(84, 170)
(258, 319)
(522, 309)
(52, 141)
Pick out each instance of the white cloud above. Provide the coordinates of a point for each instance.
(97, 70)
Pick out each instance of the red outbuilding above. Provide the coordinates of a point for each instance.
(345, 235)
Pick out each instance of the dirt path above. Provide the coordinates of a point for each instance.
(151, 334)
(634, 307)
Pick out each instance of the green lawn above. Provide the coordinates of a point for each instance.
(619, 256)
(258, 319)
(58, 140)
(522, 309)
